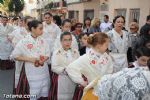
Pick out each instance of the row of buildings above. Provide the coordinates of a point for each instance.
(80, 9)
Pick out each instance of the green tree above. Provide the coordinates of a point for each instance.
(4, 4)
(16, 6)
(1, 1)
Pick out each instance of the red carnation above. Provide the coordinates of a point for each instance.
(30, 46)
(93, 62)
(41, 58)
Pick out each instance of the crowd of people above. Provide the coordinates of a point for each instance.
(63, 59)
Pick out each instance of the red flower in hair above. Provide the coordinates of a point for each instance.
(30, 46)
(93, 62)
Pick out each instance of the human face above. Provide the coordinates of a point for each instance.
(106, 20)
(119, 23)
(83, 40)
(4, 21)
(21, 23)
(133, 29)
(87, 22)
(66, 42)
(142, 61)
(66, 27)
(79, 27)
(48, 19)
(148, 45)
(16, 22)
(148, 22)
(38, 31)
(103, 47)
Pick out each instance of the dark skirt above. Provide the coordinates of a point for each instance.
(78, 92)
(54, 87)
(23, 85)
(6, 64)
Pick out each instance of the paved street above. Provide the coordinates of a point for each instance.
(6, 82)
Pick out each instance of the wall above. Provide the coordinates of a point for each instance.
(144, 6)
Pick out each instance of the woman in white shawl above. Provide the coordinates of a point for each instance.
(61, 58)
(93, 64)
(119, 43)
(33, 52)
(130, 83)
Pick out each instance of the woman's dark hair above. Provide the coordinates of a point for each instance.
(106, 16)
(57, 19)
(88, 18)
(5, 17)
(81, 35)
(48, 13)
(148, 18)
(77, 24)
(33, 24)
(145, 42)
(26, 18)
(142, 51)
(148, 64)
(64, 34)
(97, 38)
(114, 20)
(65, 21)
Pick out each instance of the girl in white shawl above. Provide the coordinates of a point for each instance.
(66, 27)
(33, 52)
(93, 64)
(61, 58)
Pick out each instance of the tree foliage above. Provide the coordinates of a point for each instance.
(16, 6)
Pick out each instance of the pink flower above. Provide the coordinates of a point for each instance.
(30, 46)
(93, 62)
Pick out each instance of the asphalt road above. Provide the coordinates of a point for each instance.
(6, 83)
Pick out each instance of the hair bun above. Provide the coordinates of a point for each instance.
(90, 39)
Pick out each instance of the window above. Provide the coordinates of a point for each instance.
(71, 14)
(134, 14)
(74, 14)
(121, 12)
(89, 13)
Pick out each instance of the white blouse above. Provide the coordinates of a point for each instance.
(91, 65)
(61, 59)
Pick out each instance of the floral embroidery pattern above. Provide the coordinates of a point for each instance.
(93, 62)
(30, 46)
(41, 57)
